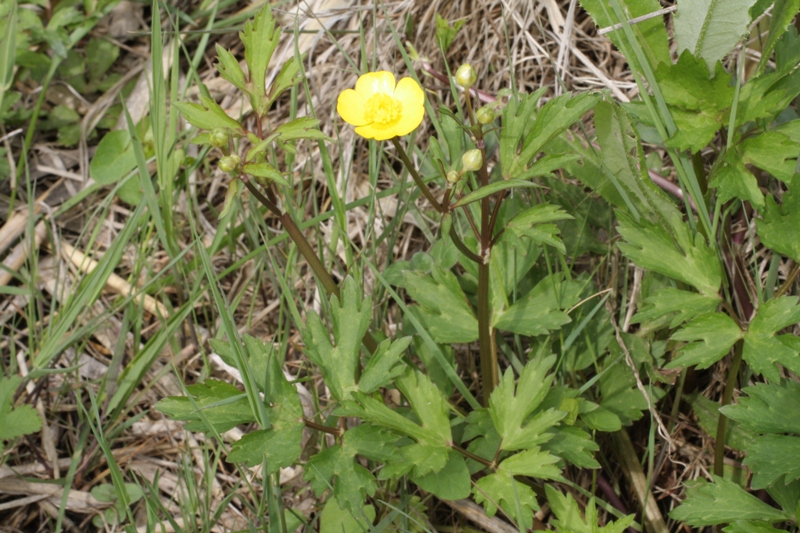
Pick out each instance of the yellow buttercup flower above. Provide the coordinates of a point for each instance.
(381, 110)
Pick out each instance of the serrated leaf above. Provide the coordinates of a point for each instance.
(208, 115)
(683, 305)
(778, 225)
(299, 128)
(221, 404)
(733, 180)
(429, 404)
(334, 519)
(782, 14)
(228, 67)
(339, 362)
(370, 441)
(553, 118)
(710, 337)
(15, 421)
(721, 502)
(751, 526)
(448, 483)
(291, 74)
(711, 28)
(621, 396)
(384, 365)
(707, 413)
(280, 447)
(516, 499)
(260, 38)
(772, 456)
(682, 258)
(767, 408)
(509, 406)
(574, 445)
(443, 306)
(569, 518)
(533, 462)
(534, 223)
(445, 32)
(762, 349)
(540, 310)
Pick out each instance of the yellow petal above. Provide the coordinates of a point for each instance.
(350, 106)
(374, 131)
(411, 97)
(375, 82)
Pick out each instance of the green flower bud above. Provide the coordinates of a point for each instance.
(219, 137)
(466, 76)
(485, 115)
(453, 177)
(472, 160)
(229, 163)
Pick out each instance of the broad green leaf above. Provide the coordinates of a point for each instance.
(720, 502)
(449, 483)
(768, 408)
(370, 441)
(102, 55)
(339, 362)
(15, 421)
(711, 336)
(771, 151)
(517, 118)
(517, 499)
(762, 348)
(767, 95)
(260, 38)
(280, 447)
(535, 223)
(221, 404)
(113, 159)
(491, 189)
(384, 365)
(711, 28)
(778, 225)
(733, 181)
(682, 305)
(334, 519)
(574, 445)
(697, 102)
(509, 406)
(771, 456)
(230, 70)
(569, 518)
(443, 306)
(621, 396)
(651, 34)
(555, 117)
(533, 462)
(678, 256)
(429, 404)
(541, 309)
(208, 115)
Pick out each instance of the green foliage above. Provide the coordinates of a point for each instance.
(570, 519)
(445, 32)
(15, 421)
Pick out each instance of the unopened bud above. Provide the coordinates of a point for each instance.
(466, 76)
(472, 160)
(219, 138)
(229, 163)
(485, 115)
(452, 177)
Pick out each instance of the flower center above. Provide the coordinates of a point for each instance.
(382, 110)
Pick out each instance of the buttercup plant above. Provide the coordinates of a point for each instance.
(499, 449)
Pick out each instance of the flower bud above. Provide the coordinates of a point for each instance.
(472, 160)
(466, 76)
(452, 177)
(219, 138)
(229, 162)
(485, 115)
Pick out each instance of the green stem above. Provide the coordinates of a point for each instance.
(722, 424)
(488, 350)
(307, 252)
(789, 280)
